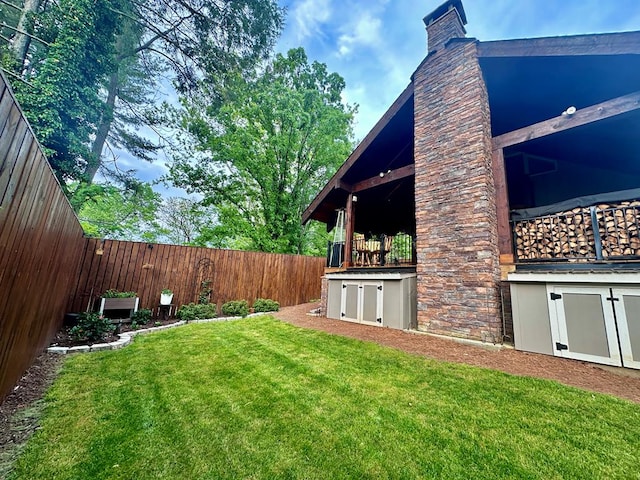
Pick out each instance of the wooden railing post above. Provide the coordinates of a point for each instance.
(348, 239)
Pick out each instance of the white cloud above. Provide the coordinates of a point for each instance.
(309, 16)
(366, 33)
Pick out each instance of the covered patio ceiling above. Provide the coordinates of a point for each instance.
(379, 173)
(528, 81)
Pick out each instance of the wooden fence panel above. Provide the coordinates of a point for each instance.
(147, 268)
(48, 268)
(41, 246)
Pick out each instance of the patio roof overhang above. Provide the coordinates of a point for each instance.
(379, 172)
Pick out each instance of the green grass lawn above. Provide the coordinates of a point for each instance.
(258, 398)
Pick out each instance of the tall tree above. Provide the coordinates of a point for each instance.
(60, 96)
(261, 154)
(191, 39)
(110, 212)
(91, 80)
(183, 221)
(22, 36)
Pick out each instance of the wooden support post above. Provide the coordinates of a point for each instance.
(348, 237)
(505, 241)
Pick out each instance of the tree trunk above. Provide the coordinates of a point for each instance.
(104, 127)
(21, 41)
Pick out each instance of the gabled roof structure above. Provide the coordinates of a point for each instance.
(528, 81)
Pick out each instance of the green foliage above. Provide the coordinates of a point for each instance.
(62, 98)
(185, 221)
(92, 327)
(106, 211)
(235, 308)
(141, 317)
(264, 152)
(93, 82)
(197, 311)
(112, 293)
(265, 305)
(205, 292)
(266, 400)
(166, 291)
(401, 249)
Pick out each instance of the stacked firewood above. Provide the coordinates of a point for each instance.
(619, 229)
(570, 234)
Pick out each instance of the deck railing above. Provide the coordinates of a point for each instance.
(584, 234)
(374, 251)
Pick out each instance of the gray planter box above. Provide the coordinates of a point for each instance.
(130, 304)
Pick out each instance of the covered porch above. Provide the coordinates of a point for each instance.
(369, 203)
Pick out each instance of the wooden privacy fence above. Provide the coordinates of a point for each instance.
(147, 268)
(40, 245)
(48, 268)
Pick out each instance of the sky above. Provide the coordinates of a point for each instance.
(377, 44)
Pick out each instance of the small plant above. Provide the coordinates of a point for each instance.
(141, 317)
(157, 324)
(196, 311)
(236, 308)
(111, 293)
(92, 327)
(265, 305)
(166, 291)
(205, 292)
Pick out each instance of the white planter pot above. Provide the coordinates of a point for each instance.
(165, 299)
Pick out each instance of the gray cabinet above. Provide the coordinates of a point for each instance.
(361, 301)
(596, 324)
(591, 322)
(385, 299)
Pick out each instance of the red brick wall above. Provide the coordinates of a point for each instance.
(458, 261)
(444, 28)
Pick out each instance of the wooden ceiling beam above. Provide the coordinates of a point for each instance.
(584, 116)
(386, 177)
(596, 44)
(336, 180)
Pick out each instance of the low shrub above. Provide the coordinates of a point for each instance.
(236, 308)
(265, 305)
(196, 311)
(141, 317)
(92, 327)
(111, 293)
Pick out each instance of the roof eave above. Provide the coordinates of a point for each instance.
(336, 180)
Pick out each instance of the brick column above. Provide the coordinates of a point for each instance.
(324, 296)
(458, 269)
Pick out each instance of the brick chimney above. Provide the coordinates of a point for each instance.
(444, 23)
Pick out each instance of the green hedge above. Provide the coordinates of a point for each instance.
(197, 311)
(236, 308)
(265, 305)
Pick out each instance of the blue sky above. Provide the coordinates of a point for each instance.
(377, 44)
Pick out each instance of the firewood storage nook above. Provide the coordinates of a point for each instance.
(511, 170)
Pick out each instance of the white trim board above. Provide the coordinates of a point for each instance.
(624, 278)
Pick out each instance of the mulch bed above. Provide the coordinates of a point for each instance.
(18, 416)
(63, 339)
(621, 382)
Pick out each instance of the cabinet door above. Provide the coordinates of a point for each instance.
(349, 305)
(361, 301)
(627, 305)
(583, 324)
(371, 302)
